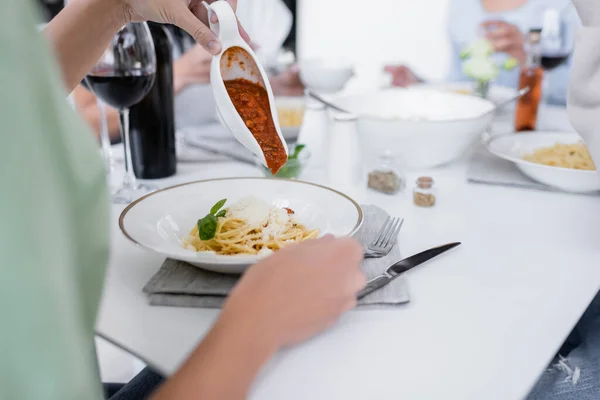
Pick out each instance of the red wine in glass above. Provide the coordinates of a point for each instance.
(120, 90)
(552, 60)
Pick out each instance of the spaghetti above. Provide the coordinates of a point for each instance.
(251, 227)
(574, 156)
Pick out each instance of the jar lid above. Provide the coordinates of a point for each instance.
(425, 182)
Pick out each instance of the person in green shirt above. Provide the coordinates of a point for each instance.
(54, 226)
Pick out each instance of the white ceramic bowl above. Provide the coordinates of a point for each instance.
(425, 128)
(496, 95)
(159, 220)
(513, 147)
(327, 76)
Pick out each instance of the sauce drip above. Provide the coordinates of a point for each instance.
(252, 103)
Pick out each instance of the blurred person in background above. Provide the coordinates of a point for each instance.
(575, 373)
(268, 23)
(54, 236)
(504, 23)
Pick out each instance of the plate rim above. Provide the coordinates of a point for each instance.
(225, 257)
(521, 161)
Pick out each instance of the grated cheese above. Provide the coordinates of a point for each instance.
(259, 213)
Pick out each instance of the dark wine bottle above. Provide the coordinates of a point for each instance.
(152, 120)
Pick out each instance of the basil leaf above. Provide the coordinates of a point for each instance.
(207, 227)
(217, 206)
(221, 213)
(297, 151)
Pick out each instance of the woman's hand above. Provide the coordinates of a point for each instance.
(189, 15)
(401, 75)
(300, 290)
(505, 38)
(192, 68)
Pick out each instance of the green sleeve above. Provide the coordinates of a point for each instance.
(53, 224)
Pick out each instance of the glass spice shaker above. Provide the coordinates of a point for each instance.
(387, 176)
(344, 161)
(424, 193)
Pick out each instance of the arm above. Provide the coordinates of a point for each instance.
(87, 106)
(191, 68)
(232, 352)
(272, 307)
(80, 33)
(584, 89)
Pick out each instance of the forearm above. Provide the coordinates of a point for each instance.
(225, 364)
(181, 78)
(80, 33)
(584, 89)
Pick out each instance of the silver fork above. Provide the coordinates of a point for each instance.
(386, 238)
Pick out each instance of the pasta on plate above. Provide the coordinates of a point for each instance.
(249, 226)
(574, 156)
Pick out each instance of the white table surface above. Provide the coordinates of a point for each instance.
(483, 322)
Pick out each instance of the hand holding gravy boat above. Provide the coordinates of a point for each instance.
(242, 92)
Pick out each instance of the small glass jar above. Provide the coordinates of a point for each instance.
(424, 193)
(386, 175)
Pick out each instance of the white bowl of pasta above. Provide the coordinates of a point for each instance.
(557, 159)
(192, 223)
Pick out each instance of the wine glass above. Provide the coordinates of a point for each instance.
(556, 44)
(121, 78)
(104, 135)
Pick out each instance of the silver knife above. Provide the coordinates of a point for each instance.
(402, 266)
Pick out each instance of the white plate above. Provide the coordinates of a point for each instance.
(513, 147)
(159, 220)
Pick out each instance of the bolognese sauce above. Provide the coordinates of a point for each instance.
(252, 103)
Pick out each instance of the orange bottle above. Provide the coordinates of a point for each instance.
(532, 75)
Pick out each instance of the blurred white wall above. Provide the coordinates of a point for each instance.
(372, 33)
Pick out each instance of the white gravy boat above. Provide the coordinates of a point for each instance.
(241, 62)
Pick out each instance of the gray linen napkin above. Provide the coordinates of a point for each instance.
(212, 142)
(178, 284)
(486, 168)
